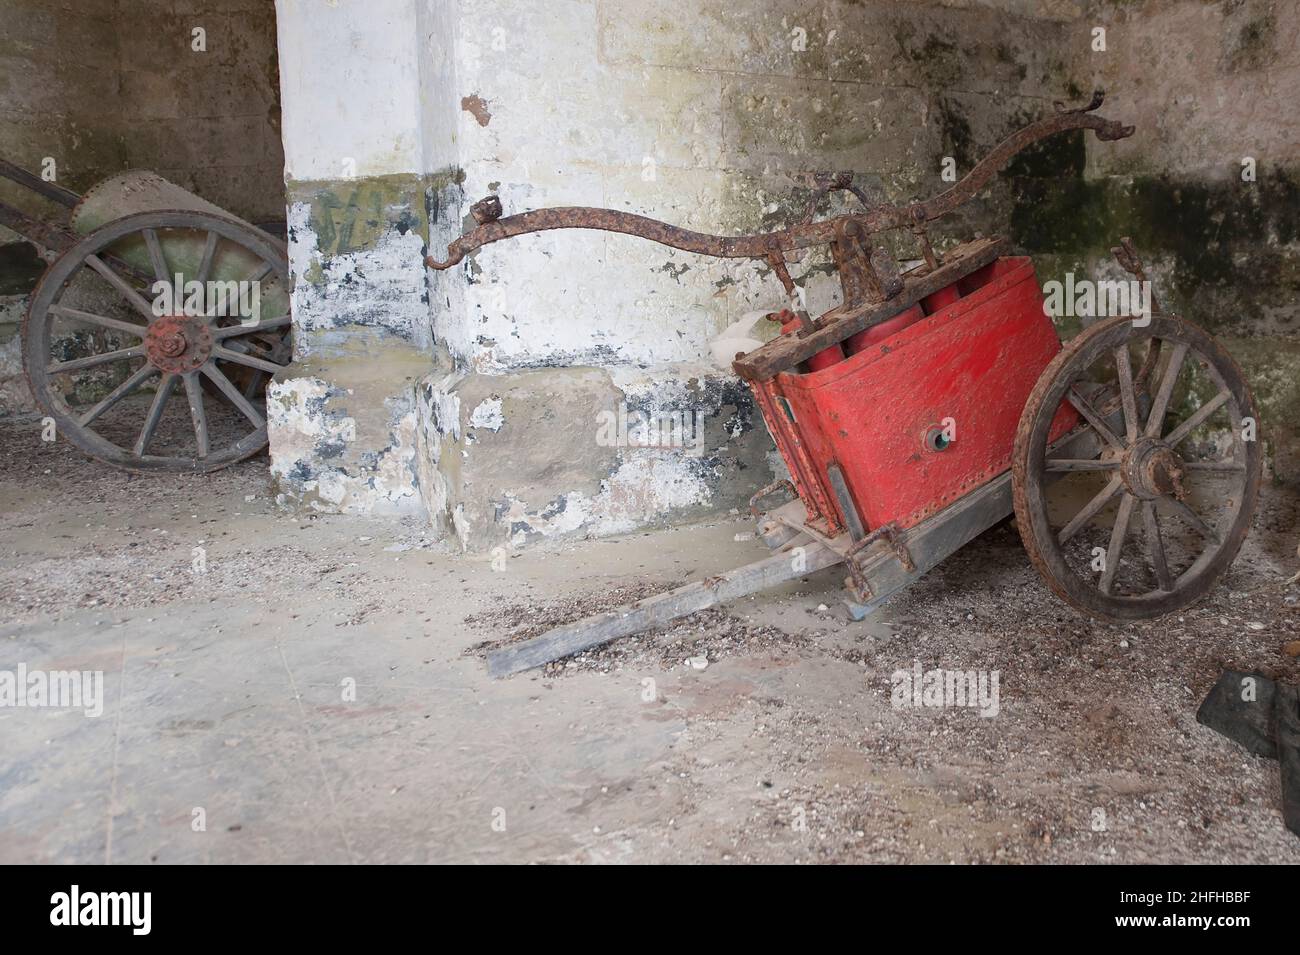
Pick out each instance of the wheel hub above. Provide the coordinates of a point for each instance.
(178, 344)
(1152, 469)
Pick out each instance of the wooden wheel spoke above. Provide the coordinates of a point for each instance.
(103, 321)
(151, 419)
(118, 393)
(123, 287)
(194, 391)
(254, 379)
(205, 263)
(1149, 362)
(1090, 415)
(91, 361)
(1090, 509)
(262, 325)
(1197, 419)
(1226, 467)
(1156, 417)
(156, 257)
(1117, 535)
(1156, 546)
(1195, 521)
(134, 376)
(237, 399)
(261, 273)
(1128, 397)
(239, 358)
(1080, 464)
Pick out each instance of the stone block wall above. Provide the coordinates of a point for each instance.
(106, 85)
(433, 393)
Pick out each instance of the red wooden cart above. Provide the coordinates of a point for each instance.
(932, 403)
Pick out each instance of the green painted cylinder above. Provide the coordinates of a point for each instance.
(139, 190)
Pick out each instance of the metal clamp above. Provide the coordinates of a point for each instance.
(770, 489)
(890, 534)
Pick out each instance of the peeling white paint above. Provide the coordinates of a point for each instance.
(487, 415)
(435, 402)
(645, 488)
(445, 413)
(478, 495)
(383, 285)
(461, 526)
(296, 425)
(312, 461)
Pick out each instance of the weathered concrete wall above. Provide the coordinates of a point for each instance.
(344, 428)
(98, 86)
(540, 453)
(106, 85)
(340, 418)
(704, 115)
(1209, 187)
(399, 113)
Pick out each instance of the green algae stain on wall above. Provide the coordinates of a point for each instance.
(351, 215)
(1219, 238)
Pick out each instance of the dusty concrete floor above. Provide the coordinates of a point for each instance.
(225, 692)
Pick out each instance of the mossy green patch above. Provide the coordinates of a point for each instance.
(957, 140)
(1064, 155)
(349, 215)
(1273, 368)
(1223, 238)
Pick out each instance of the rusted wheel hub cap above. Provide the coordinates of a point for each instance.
(1152, 469)
(178, 344)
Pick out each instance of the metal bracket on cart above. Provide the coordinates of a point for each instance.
(891, 536)
(768, 491)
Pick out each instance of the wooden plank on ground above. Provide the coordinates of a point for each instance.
(660, 609)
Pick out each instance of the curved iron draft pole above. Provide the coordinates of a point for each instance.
(771, 246)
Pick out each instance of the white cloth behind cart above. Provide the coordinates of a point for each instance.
(744, 335)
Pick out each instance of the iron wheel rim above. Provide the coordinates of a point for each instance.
(1184, 345)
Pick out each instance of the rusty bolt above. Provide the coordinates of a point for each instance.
(172, 345)
(486, 210)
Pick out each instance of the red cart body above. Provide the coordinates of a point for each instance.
(921, 409)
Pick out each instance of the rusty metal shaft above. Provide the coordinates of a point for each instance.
(628, 223)
(877, 218)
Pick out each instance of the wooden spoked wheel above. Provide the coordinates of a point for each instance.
(1146, 524)
(106, 348)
